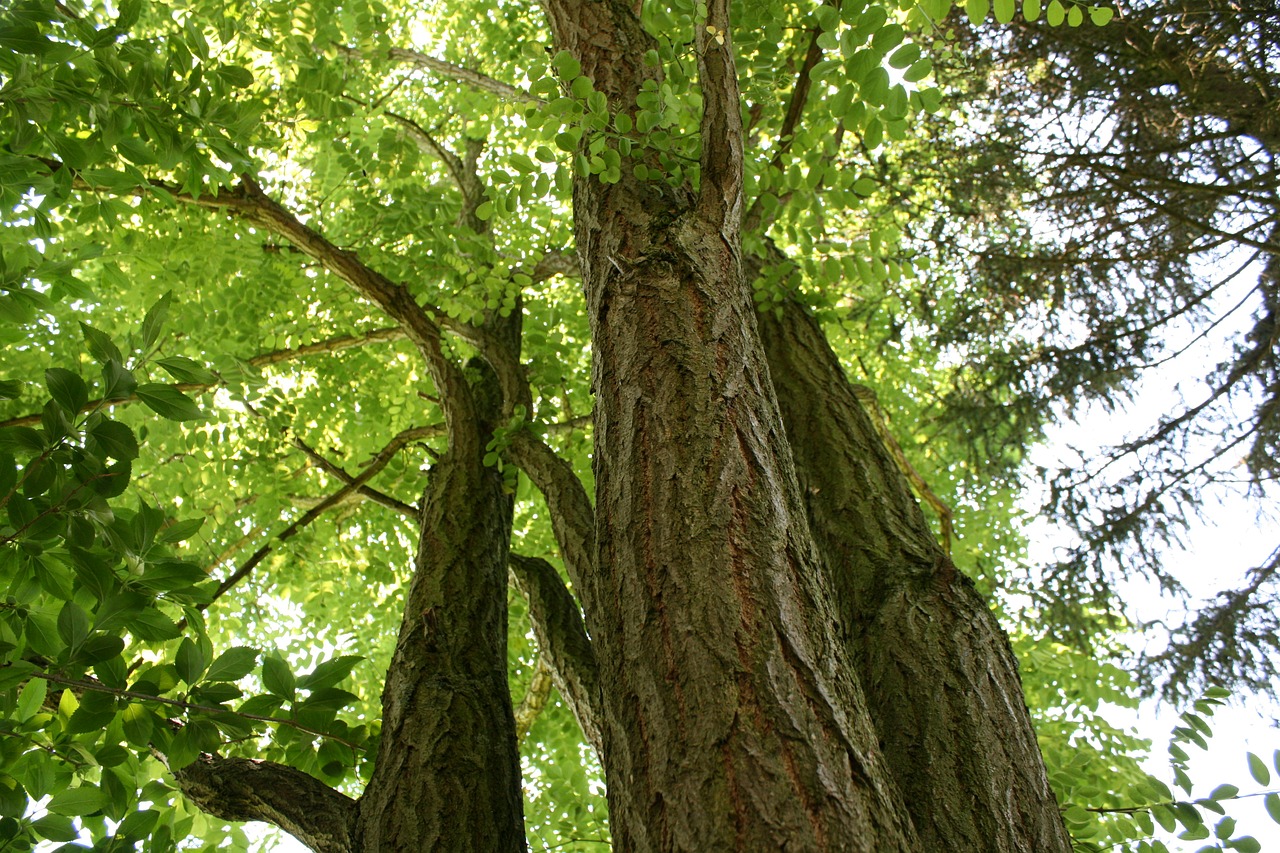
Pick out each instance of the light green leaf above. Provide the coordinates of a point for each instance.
(1004, 10)
(31, 698)
(233, 664)
(977, 10)
(153, 322)
(1101, 15)
(1056, 13)
(169, 402)
(1031, 9)
(84, 800)
(1258, 769)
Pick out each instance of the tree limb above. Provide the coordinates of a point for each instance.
(241, 789)
(449, 71)
(573, 520)
(720, 197)
(535, 698)
(379, 462)
(562, 640)
(407, 510)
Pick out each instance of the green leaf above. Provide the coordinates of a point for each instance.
(484, 211)
(1056, 13)
(185, 369)
(1101, 15)
(31, 698)
(115, 439)
(53, 827)
(1258, 769)
(1245, 844)
(1224, 792)
(153, 322)
(10, 389)
(169, 402)
(1031, 9)
(181, 531)
(84, 800)
(1272, 803)
(277, 677)
(329, 673)
(233, 664)
(566, 65)
(67, 389)
(73, 624)
(117, 382)
(1004, 10)
(15, 673)
(236, 76)
(977, 10)
(1075, 16)
(189, 661)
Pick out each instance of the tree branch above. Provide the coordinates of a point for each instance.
(241, 789)
(407, 510)
(573, 520)
(535, 698)
(379, 462)
(449, 71)
(562, 640)
(752, 221)
(720, 197)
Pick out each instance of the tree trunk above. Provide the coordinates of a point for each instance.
(447, 774)
(940, 678)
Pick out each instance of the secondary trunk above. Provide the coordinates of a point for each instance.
(941, 680)
(447, 775)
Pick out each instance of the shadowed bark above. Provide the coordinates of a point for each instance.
(941, 680)
(241, 789)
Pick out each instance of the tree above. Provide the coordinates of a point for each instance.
(1141, 159)
(372, 267)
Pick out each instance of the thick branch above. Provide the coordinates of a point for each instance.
(720, 199)
(240, 789)
(562, 640)
(535, 698)
(572, 517)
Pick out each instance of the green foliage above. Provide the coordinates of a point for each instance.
(263, 380)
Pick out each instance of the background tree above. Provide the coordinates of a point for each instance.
(1127, 213)
(362, 216)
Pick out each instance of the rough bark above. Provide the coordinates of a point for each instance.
(240, 789)
(562, 641)
(447, 773)
(730, 720)
(940, 678)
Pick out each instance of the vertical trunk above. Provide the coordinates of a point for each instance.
(730, 719)
(942, 682)
(447, 775)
